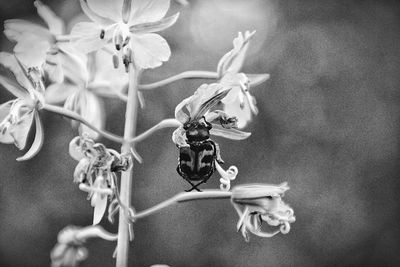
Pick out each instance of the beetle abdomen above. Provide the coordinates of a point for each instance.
(196, 162)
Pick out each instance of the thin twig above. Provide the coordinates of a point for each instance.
(183, 197)
(192, 74)
(162, 124)
(74, 116)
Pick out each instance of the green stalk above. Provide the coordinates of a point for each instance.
(126, 177)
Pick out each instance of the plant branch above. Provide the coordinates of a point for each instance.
(167, 123)
(74, 116)
(192, 74)
(126, 176)
(183, 197)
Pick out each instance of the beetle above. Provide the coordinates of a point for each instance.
(196, 162)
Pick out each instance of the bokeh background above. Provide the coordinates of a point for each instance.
(328, 125)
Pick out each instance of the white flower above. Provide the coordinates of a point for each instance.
(199, 105)
(257, 203)
(239, 102)
(129, 26)
(16, 116)
(36, 45)
(86, 80)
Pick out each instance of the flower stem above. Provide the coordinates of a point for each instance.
(74, 116)
(183, 197)
(126, 177)
(184, 75)
(166, 123)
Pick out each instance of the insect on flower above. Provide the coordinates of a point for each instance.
(198, 154)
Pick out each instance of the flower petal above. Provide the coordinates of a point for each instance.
(20, 131)
(38, 141)
(232, 134)
(107, 8)
(149, 50)
(154, 26)
(13, 28)
(99, 201)
(143, 11)
(85, 37)
(30, 42)
(239, 110)
(233, 60)
(10, 61)
(57, 93)
(55, 24)
(257, 79)
(179, 137)
(93, 16)
(92, 110)
(180, 114)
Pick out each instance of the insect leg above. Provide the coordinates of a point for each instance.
(218, 154)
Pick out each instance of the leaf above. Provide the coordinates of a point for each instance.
(38, 141)
(232, 134)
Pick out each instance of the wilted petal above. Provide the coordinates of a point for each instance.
(5, 136)
(179, 137)
(154, 26)
(149, 50)
(20, 131)
(99, 201)
(107, 8)
(55, 24)
(57, 93)
(38, 141)
(85, 37)
(233, 134)
(143, 11)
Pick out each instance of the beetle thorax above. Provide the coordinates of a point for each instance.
(197, 131)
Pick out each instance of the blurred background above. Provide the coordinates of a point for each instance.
(328, 125)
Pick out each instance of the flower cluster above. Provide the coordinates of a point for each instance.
(96, 170)
(239, 102)
(17, 116)
(70, 250)
(105, 58)
(258, 203)
(126, 29)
